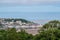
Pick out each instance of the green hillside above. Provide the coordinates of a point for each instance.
(22, 20)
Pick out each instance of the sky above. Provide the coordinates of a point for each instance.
(30, 9)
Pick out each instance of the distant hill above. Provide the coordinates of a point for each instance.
(22, 20)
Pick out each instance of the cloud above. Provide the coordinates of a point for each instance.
(28, 1)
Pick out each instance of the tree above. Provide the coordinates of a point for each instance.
(24, 36)
(3, 34)
(11, 34)
(52, 24)
(48, 35)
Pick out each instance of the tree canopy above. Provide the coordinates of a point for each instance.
(54, 23)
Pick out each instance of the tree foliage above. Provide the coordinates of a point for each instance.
(11, 34)
(52, 24)
(50, 34)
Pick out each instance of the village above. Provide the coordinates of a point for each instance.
(31, 28)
